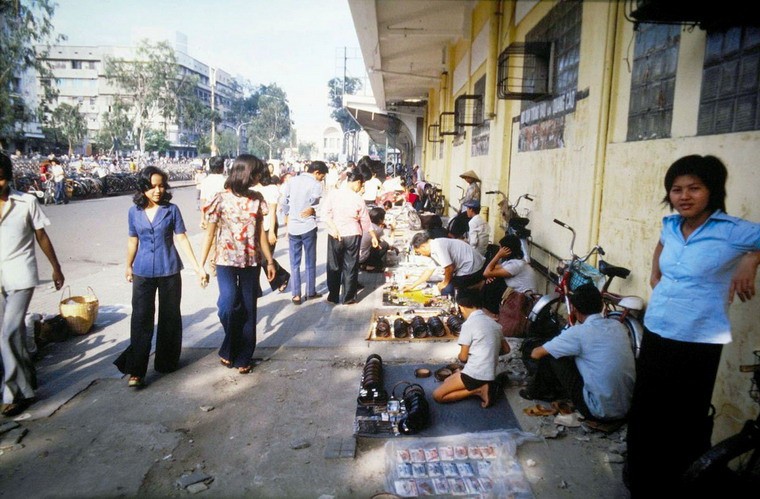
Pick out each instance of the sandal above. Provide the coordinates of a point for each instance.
(539, 410)
(296, 300)
(226, 363)
(135, 382)
(245, 370)
(284, 286)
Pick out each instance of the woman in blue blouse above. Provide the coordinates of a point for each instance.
(153, 264)
(703, 258)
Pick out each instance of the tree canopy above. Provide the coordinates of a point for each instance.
(67, 121)
(24, 24)
(336, 92)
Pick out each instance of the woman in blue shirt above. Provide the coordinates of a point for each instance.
(703, 257)
(153, 264)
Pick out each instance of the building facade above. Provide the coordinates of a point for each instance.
(584, 106)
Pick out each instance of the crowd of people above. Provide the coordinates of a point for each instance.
(703, 259)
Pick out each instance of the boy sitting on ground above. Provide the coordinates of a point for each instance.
(373, 259)
(590, 363)
(481, 343)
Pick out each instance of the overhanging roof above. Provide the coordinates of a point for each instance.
(405, 44)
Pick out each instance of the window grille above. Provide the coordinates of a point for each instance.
(525, 71)
(468, 111)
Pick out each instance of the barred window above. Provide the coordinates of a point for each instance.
(730, 83)
(653, 81)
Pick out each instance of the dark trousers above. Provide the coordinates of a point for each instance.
(669, 425)
(376, 256)
(343, 267)
(238, 295)
(134, 360)
(560, 378)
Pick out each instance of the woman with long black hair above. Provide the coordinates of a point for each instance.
(236, 229)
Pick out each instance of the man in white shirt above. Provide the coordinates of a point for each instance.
(211, 185)
(59, 177)
(21, 222)
(462, 265)
(478, 230)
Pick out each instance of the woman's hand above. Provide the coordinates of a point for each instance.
(272, 238)
(743, 280)
(203, 277)
(503, 252)
(271, 271)
(128, 274)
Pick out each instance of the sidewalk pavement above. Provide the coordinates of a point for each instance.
(271, 433)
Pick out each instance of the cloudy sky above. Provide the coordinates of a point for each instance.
(298, 44)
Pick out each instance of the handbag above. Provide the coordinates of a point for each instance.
(513, 313)
(281, 276)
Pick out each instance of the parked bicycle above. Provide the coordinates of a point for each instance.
(550, 314)
(733, 465)
(515, 220)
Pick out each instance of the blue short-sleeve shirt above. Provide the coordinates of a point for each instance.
(156, 254)
(690, 303)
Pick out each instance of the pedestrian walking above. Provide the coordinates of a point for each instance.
(300, 198)
(21, 222)
(346, 217)
(153, 266)
(236, 230)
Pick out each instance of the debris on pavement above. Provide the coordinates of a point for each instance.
(300, 444)
(207, 408)
(10, 439)
(192, 478)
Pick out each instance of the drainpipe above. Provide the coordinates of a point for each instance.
(489, 106)
(604, 120)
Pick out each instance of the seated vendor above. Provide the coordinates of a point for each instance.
(462, 264)
(590, 363)
(481, 343)
(372, 259)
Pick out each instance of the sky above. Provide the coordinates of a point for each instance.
(297, 44)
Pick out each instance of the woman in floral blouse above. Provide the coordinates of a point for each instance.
(235, 227)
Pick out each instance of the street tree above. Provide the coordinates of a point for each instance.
(336, 91)
(24, 25)
(306, 150)
(116, 127)
(156, 141)
(152, 85)
(69, 123)
(227, 143)
(270, 128)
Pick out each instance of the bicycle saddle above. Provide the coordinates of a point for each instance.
(613, 271)
(519, 222)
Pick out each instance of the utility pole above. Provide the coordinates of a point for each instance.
(213, 114)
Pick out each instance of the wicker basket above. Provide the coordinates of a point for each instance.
(80, 312)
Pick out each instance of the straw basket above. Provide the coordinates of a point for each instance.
(80, 312)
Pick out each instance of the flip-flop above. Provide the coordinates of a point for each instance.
(539, 410)
(563, 406)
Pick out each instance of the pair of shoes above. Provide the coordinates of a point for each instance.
(245, 370)
(135, 382)
(296, 300)
(314, 296)
(284, 286)
(16, 408)
(226, 363)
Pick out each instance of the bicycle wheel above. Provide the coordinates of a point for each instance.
(635, 329)
(711, 472)
(550, 320)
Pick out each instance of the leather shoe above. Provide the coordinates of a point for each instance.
(16, 408)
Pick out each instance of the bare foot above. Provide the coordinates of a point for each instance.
(484, 393)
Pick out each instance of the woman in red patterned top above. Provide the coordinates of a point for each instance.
(235, 227)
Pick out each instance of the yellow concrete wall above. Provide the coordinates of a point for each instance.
(608, 189)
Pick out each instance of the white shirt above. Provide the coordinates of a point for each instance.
(466, 260)
(523, 276)
(484, 336)
(271, 195)
(58, 173)
(478, 233)
(20, 218)
(371, 189)
(211, 185)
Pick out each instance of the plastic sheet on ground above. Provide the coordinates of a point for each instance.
(480, 464)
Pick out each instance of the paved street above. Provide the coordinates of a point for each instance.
(91, 436)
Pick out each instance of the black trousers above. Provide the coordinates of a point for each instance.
(560, 378)
(134, 360)
(669, 425)
(376, 256)
(342, 267)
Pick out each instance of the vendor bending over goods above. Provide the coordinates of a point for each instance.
(481, 343)
(462, 264)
